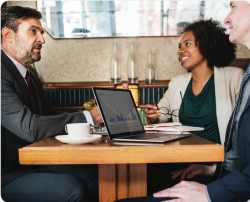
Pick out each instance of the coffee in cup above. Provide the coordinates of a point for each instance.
(78, 130)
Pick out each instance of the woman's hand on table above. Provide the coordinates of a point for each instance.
(152, 114)
(193, 170)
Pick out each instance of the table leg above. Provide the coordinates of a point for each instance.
(122, 181)
(107, 182)
(137, 180)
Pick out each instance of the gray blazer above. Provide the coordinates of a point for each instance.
(21, 122)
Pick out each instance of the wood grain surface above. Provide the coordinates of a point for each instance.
(107, 182)
(104, 151)
(122, 168)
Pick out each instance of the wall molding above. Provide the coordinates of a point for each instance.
(102, 84)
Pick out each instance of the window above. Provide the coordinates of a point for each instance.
(74, 19)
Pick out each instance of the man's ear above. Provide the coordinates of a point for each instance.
(7, 34)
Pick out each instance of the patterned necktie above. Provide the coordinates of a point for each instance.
(236, 109)
(31, 87)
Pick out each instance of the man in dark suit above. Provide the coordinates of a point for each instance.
(27, 116)
(233, 175)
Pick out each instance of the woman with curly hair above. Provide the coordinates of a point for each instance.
(207, 94)
(204, 97)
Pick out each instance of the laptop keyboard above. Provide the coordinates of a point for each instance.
(145, 136)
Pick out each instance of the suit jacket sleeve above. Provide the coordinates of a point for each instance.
(47, 107)
(231, 188)
(18, 117)
(235, 186)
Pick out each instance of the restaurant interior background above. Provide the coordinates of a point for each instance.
(71, 66)
(88, 59)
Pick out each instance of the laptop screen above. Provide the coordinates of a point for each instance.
(118, 111)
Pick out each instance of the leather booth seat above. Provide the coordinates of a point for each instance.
(240, 62)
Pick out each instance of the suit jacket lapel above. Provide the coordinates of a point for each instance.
(221, 99)
(182, 88)
(246, 106)
(34, 79)
(177, 96)
(229, 123)
(16, 74)
(248, 101)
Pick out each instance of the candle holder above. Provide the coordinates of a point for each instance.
(89, 104)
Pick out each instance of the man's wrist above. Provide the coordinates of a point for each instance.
(88, 117)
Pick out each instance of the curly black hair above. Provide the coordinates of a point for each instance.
(213, 42)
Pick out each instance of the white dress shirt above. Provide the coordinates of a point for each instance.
(22, 69)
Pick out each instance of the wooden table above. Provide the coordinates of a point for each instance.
(122, 169)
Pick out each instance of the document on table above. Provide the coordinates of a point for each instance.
(171, 127)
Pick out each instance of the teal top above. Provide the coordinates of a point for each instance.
(200, 110)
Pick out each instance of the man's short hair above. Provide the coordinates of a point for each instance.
(11, 16)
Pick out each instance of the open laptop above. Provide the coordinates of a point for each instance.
(122, 120)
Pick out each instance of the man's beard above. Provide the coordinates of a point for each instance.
(26, 54)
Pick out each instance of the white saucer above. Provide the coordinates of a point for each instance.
(68, 140)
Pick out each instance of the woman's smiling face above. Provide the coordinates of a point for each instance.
(189, 54)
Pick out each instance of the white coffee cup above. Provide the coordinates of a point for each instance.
(78, 130)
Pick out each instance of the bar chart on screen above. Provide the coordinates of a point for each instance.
(121, 118)
(119, 111)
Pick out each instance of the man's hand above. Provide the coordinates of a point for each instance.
(185, 192)
(152, 114)
(96, 116)
(194, 169)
